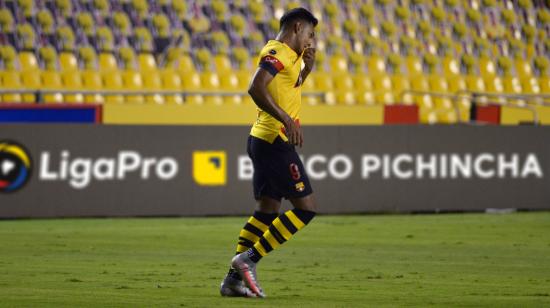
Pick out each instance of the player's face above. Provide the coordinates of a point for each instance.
(306, 36)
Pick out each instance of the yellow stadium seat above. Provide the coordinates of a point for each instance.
(131, 80)
(91, 81)
(474, 83)
(31, 80)
(309, 86)
(171, 81)
(343, 85)
(147, 62)
(338, 64)
(487, 67)
(244, 77)
(112, 81)
(72, 81)
(11, 80)
(512, 85)
(210, 82)
(186, 64)
(107, 62)
(222, 64)
(427, 115)
(27, 61)
(399, 86)
(363, 89)
(376, 66)
(530, 85)
(324, 83)
(544, 84)
(450, 66)
(382, 90)
(67, 61)
(414, 65)
(439, 84)
(230, 82)
(191, 82)
(457, 84)
(523, 69)
(51, 80)
(446, 115)
(420, 83)
(152, 82)
(494, 84)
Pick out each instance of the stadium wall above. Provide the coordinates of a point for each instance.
(81, 170)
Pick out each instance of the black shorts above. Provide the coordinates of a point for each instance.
(278, 170)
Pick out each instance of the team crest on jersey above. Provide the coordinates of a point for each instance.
(300, 187)
(273, 52)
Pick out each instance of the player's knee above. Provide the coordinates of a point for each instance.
(307, 203)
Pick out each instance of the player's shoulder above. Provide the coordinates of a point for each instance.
(275, 49)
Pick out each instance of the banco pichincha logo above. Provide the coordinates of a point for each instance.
(15, 166)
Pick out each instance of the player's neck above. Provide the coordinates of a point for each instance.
(286, 38)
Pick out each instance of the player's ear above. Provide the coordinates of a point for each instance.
(298, 27)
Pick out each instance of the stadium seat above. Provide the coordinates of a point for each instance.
(171, 81)
(421, 84)
(439, 84)
(376, 66)
(147, 62)
(72, 80)
(382, 89)
(210, 82)
(399, 86)
(27, 61)
(222, 64)
(132, 81)
(31, 80)
(186, 64)
(230, 82)
(152, 82)
(112, 81)
(363, 89)
(343, 86)
(11, 80)
(91, 81)
(107, 62)
(67, 61)
(191, 82)
(51, 80)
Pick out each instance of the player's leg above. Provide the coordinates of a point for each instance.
(288, 177)
(266, 211)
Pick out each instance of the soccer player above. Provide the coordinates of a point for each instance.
(278, 171)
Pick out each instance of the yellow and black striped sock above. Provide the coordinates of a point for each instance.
(280, 231)
(254, 228)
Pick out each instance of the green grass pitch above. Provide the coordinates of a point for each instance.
(451, 260)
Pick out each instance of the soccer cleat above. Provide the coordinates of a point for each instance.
(234, 288)
(247, 269)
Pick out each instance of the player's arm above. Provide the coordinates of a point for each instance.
(264, 100)
(309, 60)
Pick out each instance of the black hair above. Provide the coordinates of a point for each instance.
(297, 14)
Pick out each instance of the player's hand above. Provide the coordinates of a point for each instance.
(293, 132)
(309, 58)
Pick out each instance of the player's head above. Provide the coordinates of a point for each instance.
(301, 23)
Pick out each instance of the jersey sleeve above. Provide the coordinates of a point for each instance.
(272, 60)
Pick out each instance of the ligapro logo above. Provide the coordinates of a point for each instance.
(209, 167)
(15, 166)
